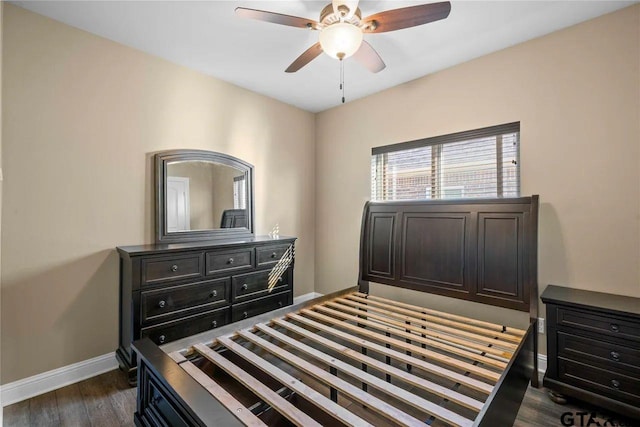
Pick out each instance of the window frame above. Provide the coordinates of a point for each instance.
(437, 142)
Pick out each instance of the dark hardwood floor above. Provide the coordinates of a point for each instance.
(107, 400)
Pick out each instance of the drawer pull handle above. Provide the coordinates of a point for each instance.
(245, 315)
(214, 323)
(615, 383)
(161, 304)
(615, 355)
(279, 303)
(214, 294)
(174, 267)
(280, 279)
(273, 254)
(230, 261)
(161, 339)
(245, 287)
(155, 400)
(615, 327)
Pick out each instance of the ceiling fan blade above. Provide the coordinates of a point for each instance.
(368, 57)
(406, 17)
(277, 18)
(302, 60)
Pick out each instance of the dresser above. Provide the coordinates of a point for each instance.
(593, 348)
(170, 291)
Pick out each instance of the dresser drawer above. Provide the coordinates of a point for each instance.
(158, 270)
(252, 285)
(270, 255)
(598, 380)
(170, 301)
(605, 353)
(229, 261)
(171, 331)
(607, 325)
(259, 306)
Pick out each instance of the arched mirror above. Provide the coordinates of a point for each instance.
(202, 195)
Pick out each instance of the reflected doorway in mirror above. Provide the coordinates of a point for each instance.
(178, 215)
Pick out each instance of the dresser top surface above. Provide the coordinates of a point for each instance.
(591, 299)
(137, 250)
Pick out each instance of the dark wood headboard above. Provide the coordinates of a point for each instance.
(482, 250)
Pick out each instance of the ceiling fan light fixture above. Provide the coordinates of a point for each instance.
(341, 40)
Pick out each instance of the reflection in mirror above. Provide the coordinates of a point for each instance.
(203, 195)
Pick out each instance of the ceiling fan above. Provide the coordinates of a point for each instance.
(342, 28)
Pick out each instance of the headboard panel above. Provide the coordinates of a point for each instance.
(482, 250)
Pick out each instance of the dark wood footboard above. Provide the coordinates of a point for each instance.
(503, 404)
(167, 395)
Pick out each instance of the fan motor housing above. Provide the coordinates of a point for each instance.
(328, 17)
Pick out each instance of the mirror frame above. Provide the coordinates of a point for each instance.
(165, 157)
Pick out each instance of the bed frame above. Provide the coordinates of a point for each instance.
(352, 358)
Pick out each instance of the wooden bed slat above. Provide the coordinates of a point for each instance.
(434, 319)
(223, 396)
(276, 401)
(354, 307)
(393, 326)
(373, 381)
(450, 361)
(383, 408)
(426, 366)
(177, 357)
(444, 314)
(409, 378)
(299, 387)
(432, 341)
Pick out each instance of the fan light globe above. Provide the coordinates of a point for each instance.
(340, 40)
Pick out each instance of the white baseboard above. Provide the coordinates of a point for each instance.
(27, 388)
(542, 364)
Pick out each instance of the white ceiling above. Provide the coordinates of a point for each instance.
(208, 37)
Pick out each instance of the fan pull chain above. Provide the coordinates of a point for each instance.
(342, 78)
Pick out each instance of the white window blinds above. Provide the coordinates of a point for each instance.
(482, 163)
(239, 192)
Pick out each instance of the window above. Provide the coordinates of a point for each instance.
(478, 163)
(239, 192)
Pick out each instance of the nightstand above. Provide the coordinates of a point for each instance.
(593, 348)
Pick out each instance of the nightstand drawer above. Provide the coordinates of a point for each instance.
(158, 270)
(268, 255)
(229, 261)
(253, 285)
(608, 325)
(612, 384)
(171, 331)
(169, 301)
(259, 306)
(590, 350)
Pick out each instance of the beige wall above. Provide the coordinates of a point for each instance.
(82, 117)
(1, 21)
(576, 94)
